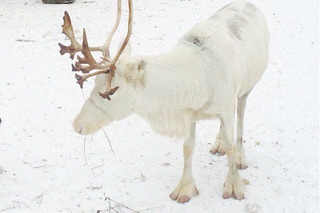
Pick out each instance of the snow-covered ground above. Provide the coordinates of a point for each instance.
(45, 167)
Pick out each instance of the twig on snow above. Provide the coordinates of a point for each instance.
(38, 167)
(108, 141)
(84, 149)
(14, 205)
(119, 205)
(38, 197)
(25, 40)
(153, 208)
(98, 166)
(272, 159)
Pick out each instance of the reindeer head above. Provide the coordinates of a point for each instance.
(99, 110)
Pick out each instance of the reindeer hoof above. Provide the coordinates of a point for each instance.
(218, 147)
(183, 199)
(227, 195)
(219, 152)
(184, 192)
(233, 186)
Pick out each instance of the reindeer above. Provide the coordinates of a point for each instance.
(207, 75)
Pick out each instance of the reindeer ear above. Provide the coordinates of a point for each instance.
(134, 72)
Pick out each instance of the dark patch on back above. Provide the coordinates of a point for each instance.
(195, 40)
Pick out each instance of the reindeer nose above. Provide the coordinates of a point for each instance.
(80, 130)
(78, 127)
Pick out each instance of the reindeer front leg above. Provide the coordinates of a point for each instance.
(186, 188)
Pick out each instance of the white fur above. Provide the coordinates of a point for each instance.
(213, 66)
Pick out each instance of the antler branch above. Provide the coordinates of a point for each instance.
(68, 31)
(106, 46)
(111, 91)
(87, 63)
(75, 46)
(82, 78)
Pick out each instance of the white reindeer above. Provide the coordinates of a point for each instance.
(207, 75)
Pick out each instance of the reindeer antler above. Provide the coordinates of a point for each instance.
(68, 31)
(88, 63)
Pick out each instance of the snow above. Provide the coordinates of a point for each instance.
(46, 167)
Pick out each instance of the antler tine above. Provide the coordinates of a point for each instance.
(88, 58)
(68, 31)
(106, 46)
(75, 46)
(87, 63)
(111, 91)
(107, 94)
(82, 78)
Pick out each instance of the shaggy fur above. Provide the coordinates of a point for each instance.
(208, 74)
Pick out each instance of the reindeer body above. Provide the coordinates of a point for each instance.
(208, 74)
(212, 65)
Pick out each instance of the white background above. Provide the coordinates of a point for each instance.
(44, 166)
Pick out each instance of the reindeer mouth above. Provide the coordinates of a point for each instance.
(91, 118)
